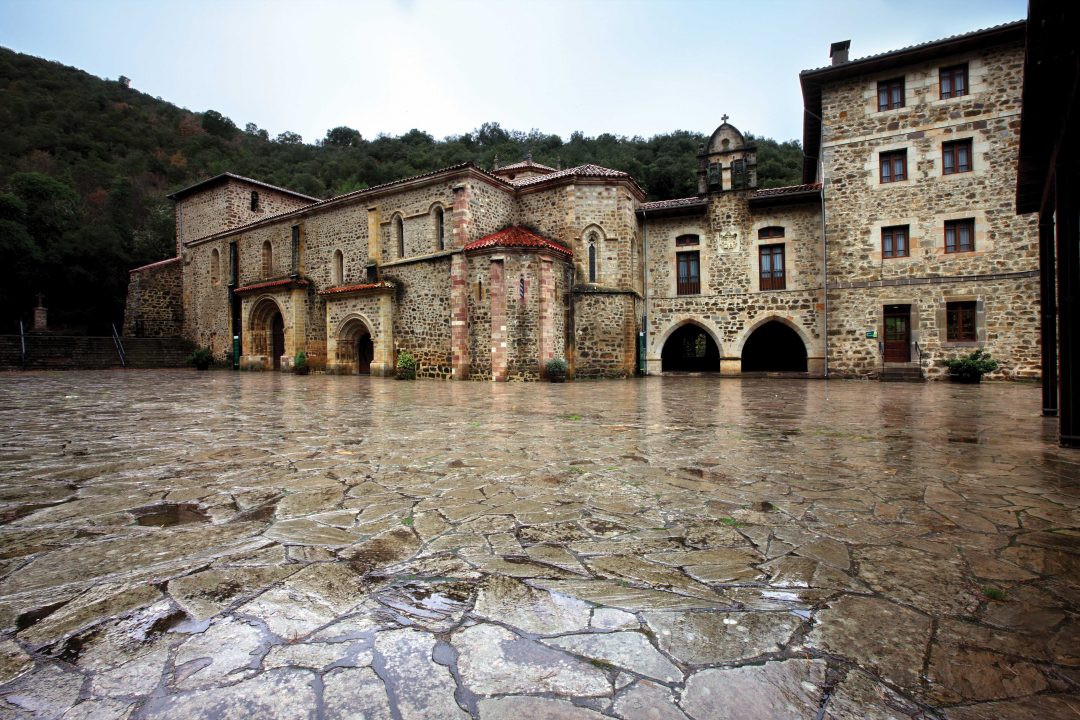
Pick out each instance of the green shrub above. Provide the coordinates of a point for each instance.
(973, 365)
(406, 366)
(555, 369)
(300, 363)
(201, 358)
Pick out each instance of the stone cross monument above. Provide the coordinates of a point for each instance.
(40, 314)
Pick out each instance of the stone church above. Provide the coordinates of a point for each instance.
(900, 248)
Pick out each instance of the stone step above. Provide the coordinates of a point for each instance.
(65, 352)
(902, 373)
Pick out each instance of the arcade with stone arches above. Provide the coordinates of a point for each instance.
(771, 345)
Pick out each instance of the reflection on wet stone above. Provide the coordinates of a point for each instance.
(274, 546)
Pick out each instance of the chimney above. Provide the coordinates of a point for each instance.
(838, 51)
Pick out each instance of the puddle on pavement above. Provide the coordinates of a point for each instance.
(170, 514)
(429, 600)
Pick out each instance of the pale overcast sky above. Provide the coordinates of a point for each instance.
(630, 67)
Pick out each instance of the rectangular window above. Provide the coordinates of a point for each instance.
(954, 81)
(960, 321)
(959, 236)
(956, 157)
(890, 94)
(893, 166)
(689, 266)
(686, 240)
(774, 231)
(894, 241)
(772, 267)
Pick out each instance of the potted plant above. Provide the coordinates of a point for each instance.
(202, 358)
(300, 363)
(555, 370)
(406, 366)
(971, 367)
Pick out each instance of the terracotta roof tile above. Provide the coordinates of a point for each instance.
(593, 171)
(283, 282)
(232, 176)
(358, 287)
(517, 237)
(523, 165)
(676, 203)
(786, 190)
(153, 265)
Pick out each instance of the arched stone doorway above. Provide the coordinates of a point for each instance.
(690, 349)
(774, 347)
(355, 348)
(267, 329)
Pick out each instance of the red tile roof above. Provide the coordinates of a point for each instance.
(590, 171)
(787, 190)
(523, 165)
(153, 265)
(291, 282)
(231, 176)
(517, 237)
(359, 287)
(676, 203)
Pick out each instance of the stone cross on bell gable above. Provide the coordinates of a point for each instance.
(40, 300)
(723, 118)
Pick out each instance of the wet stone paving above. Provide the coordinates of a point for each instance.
(177, 544)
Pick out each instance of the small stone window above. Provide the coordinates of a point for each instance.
(773, 231)
(399, 235)
(894, 242)
(267, 259)
(337, 272)
(215, 267)
(960, 236)
(956, 157)
(891, 94)
(893, 166)
(960, 321)
(683, 240)
(254, 201)
(439, 219)
(479, 291)
(954, 81)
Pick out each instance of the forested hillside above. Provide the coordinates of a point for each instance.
(85, 165)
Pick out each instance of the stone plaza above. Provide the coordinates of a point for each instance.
(186, 545)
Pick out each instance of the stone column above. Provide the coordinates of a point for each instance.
(547, 313)
(374, 251)
(382, 365)
(296, 333)
(459, 317)
(462, 220)
(497, 298)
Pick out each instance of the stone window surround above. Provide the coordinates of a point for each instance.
(435, 224)
(596, 235)
(791, 275)
(914, 240)
(873, 164)
(977, 156)
(941, 315)
(981, 240)
(267, 259)
(337, 267)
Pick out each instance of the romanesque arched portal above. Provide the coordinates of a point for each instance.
(355, 347)
(774, 346)
(690, 348)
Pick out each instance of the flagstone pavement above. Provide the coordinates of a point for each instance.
(177, 544)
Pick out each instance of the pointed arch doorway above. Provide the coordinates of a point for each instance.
(690, 349)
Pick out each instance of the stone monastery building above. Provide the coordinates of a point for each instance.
(902, 247)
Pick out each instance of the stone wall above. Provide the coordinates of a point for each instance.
(154, 306)
(605, 334)
(858, 206)
(422, 313)
(227, 205)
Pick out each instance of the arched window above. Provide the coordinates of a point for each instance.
(479, 291)
(215, 267)
(337, 272)
(267, 259)
(439, 218)
(399, 235)
(592, 258)
(773, 231)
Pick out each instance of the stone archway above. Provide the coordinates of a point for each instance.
(355, 347)
(690, 348)
(774, 346)
(267, 331)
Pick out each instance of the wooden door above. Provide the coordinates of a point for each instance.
(897, 333)
(365, 351)
(277, 331)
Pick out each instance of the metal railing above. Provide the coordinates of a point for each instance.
(22, 342)
(919, 350)
(119, 347)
